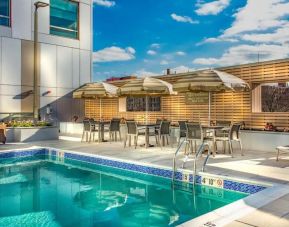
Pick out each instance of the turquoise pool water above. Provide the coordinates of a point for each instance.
(36, 191)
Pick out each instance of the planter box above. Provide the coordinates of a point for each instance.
(31, 134)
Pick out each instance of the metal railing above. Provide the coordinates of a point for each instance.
(200, 151)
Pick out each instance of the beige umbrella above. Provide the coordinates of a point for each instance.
(144, 87)
(96, 90)
(210, 81)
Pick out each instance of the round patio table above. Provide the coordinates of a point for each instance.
(147, 128)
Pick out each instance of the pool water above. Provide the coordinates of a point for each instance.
(38, 191)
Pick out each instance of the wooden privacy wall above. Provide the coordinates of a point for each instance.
(225, 106)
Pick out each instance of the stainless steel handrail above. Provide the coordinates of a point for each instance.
(198, 153)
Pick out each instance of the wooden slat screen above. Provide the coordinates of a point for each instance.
(225, 106)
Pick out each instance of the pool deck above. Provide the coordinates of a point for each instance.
(255, 166)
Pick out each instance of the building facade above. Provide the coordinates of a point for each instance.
(65, 55)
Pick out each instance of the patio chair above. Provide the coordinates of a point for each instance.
(194, 134)
(233, 135)
(163, 133)
(282, 150)
(3, 133)
(89, 129)
(183, 130)
(132, 131)
(114, 129)
(220, 133)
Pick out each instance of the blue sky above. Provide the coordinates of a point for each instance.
(136, 37)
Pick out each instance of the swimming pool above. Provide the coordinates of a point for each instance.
(43, 188)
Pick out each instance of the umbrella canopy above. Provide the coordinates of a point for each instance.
(210, 81)
(146, 86)
(95, 90)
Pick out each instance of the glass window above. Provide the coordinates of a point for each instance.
(64, 18)
(5, 12)
(134, 104)
(271, 97)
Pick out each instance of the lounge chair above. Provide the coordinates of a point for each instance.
(282, 150)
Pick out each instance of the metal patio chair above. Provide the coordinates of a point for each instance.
(133, 131)
(233, 136)
(163, 133)
(114, 129)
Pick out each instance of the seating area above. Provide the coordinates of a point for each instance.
(220, 135)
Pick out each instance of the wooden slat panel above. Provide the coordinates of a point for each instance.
(226, 106)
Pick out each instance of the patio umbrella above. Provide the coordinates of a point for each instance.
(210, 81)
(145, 87)
(98, 90)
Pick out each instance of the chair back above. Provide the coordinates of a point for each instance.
(165, 128)
(194, 131)
(223, 123)
(234, 133)
(86, 125)
(183, 128)
(158, 121)
(131, 127)
(114, 125)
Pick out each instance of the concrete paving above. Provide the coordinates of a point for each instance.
(255, 165)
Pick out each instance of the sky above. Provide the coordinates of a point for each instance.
(145, 37)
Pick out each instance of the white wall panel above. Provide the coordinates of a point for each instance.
(44, 101)
(11, 61)
(48, 65)
(64, 67)
(85, 67)
(21, 22)
(10, 101)
(63, 91)
(75, 71)
(85, 26)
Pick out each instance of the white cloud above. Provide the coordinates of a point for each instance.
(257, 16)
(217, 40)
(180, 53)
(114, 53)
(151, 52)
(211, 8)
(143, 73)
(184, 19)
(105, 3)
(279, 36)
(155, 45)
(246, 53)
(164, 62)
(182, 69)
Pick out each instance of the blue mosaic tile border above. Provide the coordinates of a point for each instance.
(24, 153)
(228, 184)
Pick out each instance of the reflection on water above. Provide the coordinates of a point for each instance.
(68, 195)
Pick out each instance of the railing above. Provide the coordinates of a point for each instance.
(200, 150)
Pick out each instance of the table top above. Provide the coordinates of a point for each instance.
(147, 125)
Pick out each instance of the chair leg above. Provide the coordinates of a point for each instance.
(82, 138)
(231, 148)
(241, 147)
(89, 137)
(124, 141)
(167, 139)
(135, 141)
(278, 153)
(129, 140)
(224, 147)
(119, 135)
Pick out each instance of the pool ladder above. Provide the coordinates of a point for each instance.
(200, 151)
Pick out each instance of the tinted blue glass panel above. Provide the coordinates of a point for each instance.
(64, 18)
(5, 12)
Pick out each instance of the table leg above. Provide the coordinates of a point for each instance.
(102, 132)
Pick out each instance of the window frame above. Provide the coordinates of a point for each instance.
(9, 16)
(65, 29)
(143, 97)
(256, 97)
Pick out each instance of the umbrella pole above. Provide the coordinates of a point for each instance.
(147, 107)
(209, 108)
(100, 109)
